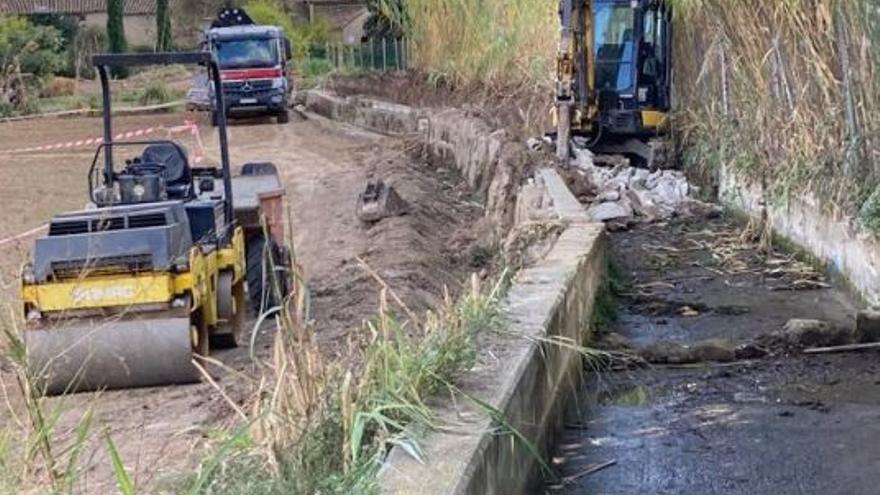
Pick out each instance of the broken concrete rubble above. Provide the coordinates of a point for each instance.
(797, 334)
(815, 333)
(625, 194)
(868, 326)
(712, 350)
(606, 212)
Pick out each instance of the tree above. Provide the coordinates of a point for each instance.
(116, 32)
(25, 49)
(163, 26)
(89, 41)
(388, 19)
(36, 50)
(69, 26)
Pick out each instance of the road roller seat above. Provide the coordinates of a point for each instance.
(175, 168)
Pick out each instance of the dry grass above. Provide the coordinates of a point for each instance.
(489, 41)
(322, 426)
(784, 92)
(37, 453)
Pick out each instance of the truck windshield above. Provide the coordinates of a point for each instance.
(247, 54)
(615, 48)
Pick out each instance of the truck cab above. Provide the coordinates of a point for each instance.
(254, 66)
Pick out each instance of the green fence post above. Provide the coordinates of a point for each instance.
(384, 54)
(405, 53)
(396, 53)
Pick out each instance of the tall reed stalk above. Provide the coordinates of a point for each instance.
(786, 93)
(490, 41)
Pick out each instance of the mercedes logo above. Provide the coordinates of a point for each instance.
(246, 87)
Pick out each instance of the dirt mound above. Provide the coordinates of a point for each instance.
(523, 110)
(411, 253)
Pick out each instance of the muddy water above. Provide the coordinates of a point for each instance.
(788, 424)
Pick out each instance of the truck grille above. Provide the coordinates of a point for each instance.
(240, 87)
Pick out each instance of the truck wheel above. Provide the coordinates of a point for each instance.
(260, 292)
(284, 117)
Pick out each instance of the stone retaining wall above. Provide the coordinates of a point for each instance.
(486, 158)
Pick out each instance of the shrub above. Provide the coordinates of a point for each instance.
(301, 35)
(58, 86)
(155, 93)
(39, 49)
(6, 109)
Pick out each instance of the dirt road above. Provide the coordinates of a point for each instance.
(161, 431)
(785, 424)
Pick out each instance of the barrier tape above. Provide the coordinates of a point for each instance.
(23, 235)
(187, 126)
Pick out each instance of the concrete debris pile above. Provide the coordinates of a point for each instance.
(625, 194)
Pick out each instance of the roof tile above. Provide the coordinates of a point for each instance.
(72, 6)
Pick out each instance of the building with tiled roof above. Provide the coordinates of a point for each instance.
(140, 15)
(346, 16)
(76, 7)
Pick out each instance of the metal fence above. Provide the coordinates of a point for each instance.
(381, 54)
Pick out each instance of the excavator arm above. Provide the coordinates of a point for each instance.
(574, 91)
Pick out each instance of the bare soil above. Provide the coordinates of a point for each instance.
(784, 424)
(162, 432)
(523, 110)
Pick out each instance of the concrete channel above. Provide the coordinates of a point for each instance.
(714, 394)
(518, 388)
(727, 403)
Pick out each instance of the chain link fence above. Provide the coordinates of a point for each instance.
(374, 54)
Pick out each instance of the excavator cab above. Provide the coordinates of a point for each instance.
(615, 74)
(632, 69)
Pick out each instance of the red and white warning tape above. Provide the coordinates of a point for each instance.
(187, 126)
(23, 235)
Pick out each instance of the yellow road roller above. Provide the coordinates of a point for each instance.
(161, 266)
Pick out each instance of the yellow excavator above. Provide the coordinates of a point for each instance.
(614, 76)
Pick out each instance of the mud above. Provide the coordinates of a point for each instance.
(162, 433)
(783, 424)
